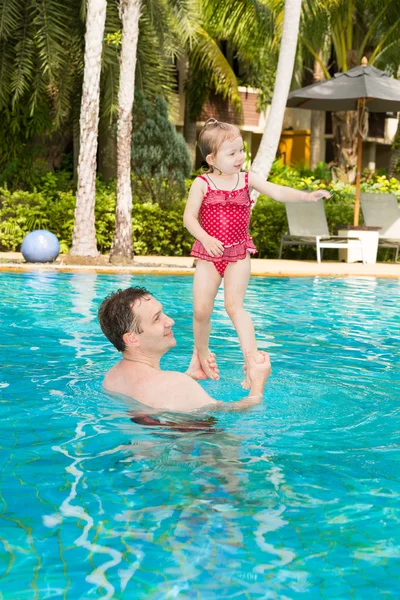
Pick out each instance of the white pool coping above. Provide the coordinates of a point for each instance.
(183, 265)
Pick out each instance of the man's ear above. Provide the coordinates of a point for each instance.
(131, 340)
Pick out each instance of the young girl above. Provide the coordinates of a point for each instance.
(217, 214)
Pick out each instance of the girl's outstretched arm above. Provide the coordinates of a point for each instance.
(191, 219)
(281, 193)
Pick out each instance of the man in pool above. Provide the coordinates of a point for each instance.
(134, 322)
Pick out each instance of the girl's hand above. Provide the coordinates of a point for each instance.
(212, 246)
(316, 195)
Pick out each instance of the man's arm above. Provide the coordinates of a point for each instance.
(180, 393)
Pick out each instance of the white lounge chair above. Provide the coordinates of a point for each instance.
(382, 210)
(308, 227)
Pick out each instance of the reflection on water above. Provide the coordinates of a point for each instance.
(299, 496)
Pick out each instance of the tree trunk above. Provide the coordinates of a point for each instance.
(122, 243)
(317, 141)
(75, 147)
(395, 157)
(270, 139)
(190, 132)
(107, 154)
(345, 135)
(84, 236)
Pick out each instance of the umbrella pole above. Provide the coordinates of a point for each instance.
(361, 104)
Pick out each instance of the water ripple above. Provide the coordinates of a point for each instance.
(272, 504)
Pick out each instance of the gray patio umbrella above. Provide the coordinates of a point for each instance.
(357, 89)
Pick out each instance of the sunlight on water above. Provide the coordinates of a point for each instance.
(296, 498)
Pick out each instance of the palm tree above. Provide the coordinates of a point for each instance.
(84, 236)
(130, 14)
(156, 27)
(270, 139)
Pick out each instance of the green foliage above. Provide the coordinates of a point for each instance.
(155, 230)
(268, 223)
(22, 212)
(381, 184)
(160, 158)
(159, 230)
(260, 73)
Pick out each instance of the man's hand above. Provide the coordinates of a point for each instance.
(258, 369)
(316, 195)
(212, 246)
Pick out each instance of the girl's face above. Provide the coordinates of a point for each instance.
(230, 157)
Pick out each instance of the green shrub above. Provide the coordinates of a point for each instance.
(155, 230)
(159, 231)
(160, 157)
(268, 223)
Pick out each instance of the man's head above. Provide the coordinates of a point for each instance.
(133, 318)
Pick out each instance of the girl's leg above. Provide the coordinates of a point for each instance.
(236, 280)
(205, 287)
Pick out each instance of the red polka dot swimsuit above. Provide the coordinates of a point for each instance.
(226, 216)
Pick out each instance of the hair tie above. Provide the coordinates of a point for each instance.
(211, 121)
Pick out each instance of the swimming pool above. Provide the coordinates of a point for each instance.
(297, 498)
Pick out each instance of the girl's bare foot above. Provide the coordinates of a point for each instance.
(209, 365)
(196, 370)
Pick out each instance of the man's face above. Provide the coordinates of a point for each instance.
(156, 327)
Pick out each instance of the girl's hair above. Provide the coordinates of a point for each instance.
(213, 134)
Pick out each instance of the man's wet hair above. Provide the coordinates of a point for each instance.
(117, 316)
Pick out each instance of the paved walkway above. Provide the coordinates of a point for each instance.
(182, 265)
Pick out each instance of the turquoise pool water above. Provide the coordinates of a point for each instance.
(298, 498)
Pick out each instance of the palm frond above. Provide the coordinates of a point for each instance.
(70, 79)
(11, 14)
(52, 21)
(207, 57)
(110, 65)
(245, 22)
(155, 71)
(7, 55)
(24, 61)
(186, 17)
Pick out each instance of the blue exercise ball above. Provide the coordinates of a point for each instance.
(40, 246)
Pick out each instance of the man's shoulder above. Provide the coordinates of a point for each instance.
(108, 380)
(175, 380)
(112, 378)
(176, 375)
